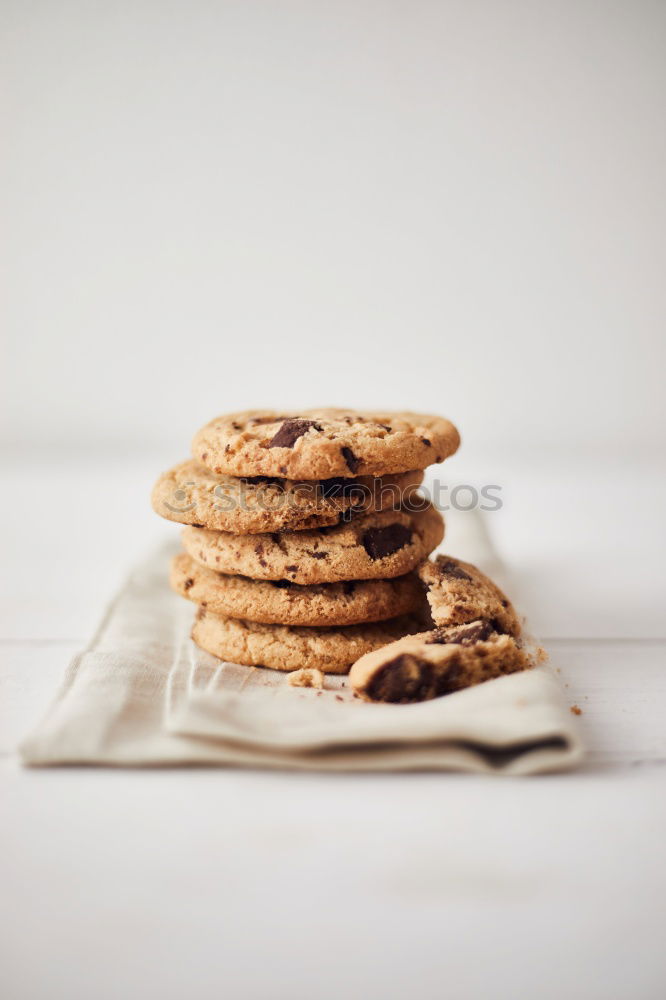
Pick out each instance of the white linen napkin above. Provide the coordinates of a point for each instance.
(143, 694)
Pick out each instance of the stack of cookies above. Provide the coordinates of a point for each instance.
(302, 533)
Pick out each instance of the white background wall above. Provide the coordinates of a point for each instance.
(449, 206)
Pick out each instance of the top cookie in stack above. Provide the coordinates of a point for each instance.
(320, 444)
(303, 531)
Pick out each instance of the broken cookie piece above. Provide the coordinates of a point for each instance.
(459, 593)
(306, 677)
(432, 664)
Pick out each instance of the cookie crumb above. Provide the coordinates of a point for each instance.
(575, 710)
(306, 677)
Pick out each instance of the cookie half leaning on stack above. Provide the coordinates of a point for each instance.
(303, 531)
(478, 638)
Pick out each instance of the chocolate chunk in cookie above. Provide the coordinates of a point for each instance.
(463, 635)
(291, 430)
(338, 487)
(351, 459)
(450, 568)
(381, 542)
(409, 678)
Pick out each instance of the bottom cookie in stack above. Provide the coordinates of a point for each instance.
(284, 647)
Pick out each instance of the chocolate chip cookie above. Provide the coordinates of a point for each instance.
(386, 544)
(189, 493)
(320, 444)
(459, 592)
(282, 647)
(285, 603)
(431, 664)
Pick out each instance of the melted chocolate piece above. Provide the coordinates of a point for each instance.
(463, 635)
(406, 678)
(350, 458)
(291, 430)
(394, 679)
(188, 583)
(380, 542)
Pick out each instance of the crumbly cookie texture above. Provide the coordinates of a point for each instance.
(435, 663)
(371, 546)
(318, 444)
(285, 603)
(282, 647)
(459, 592)
(306, 677)
(189, 493)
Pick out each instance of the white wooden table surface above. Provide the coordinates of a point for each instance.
(213, 883)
